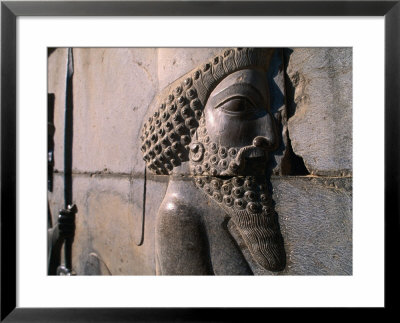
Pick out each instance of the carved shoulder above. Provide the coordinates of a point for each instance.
(179, 202)
(181, 240)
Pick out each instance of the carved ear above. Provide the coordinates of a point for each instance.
(196, 151)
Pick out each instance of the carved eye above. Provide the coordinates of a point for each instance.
(237, 105)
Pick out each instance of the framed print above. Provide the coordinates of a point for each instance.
(161, 114)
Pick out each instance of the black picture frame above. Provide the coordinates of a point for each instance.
(10, 10)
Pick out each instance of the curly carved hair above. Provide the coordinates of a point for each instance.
(178, 109)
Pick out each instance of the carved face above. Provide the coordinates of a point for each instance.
(235, 135)
(237, 110)
(237, 129)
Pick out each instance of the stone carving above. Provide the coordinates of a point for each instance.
(170, 129)
(248, 203)
(214, 124)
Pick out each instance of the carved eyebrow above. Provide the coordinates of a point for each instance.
(238, 90)
(227, 99)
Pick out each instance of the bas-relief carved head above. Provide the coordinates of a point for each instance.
(217, 118)
(236, 131)
(185, 105)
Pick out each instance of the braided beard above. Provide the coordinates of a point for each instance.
(247, 202)
(245, 199)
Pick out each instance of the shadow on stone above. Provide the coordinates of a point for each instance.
(292, 164)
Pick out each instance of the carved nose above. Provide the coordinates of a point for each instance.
(263, 143)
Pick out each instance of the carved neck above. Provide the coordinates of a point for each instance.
(182, 169)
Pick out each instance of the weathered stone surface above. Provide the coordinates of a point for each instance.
(56, 84)
(105, 226)
(315, 217)
(138, 198)
(321, 126)
(175, 62)
(112, 88)
(95, 266)
(276, 82)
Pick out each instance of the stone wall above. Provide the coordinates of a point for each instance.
(311, 98)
